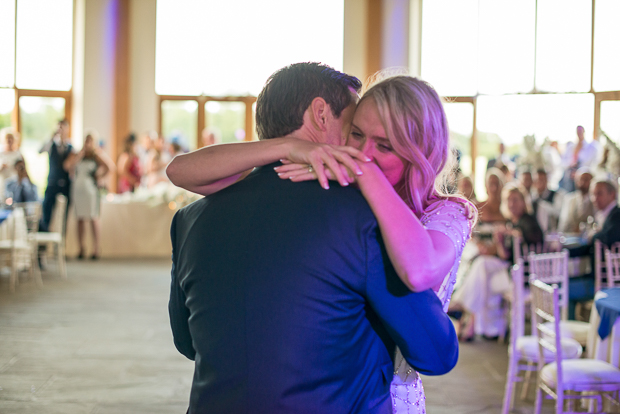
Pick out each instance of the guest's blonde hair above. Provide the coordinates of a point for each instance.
(513, 187)
(415, 123)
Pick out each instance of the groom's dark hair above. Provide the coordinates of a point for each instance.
(281, 105)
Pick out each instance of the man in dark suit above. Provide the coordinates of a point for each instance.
(58, 182)
(607, 217)
(283, 293)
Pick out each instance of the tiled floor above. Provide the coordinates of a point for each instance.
(100, 342)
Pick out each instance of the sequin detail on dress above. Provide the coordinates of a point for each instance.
(451, 219)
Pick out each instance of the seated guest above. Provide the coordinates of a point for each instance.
(607, 217)
(489, 211)
(546, 203)
(480, 294)
(525, 179)
(19, 187)
(465, 186)
(577, 206)
(9, 139)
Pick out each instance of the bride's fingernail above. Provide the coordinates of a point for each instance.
(359, 172)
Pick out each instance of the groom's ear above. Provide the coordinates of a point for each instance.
(320, 111)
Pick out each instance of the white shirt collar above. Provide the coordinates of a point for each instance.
(601, 215)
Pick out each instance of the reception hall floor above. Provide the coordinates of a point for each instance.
(100, 343)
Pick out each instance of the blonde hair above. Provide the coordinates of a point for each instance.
(415, 123)
(517, 188)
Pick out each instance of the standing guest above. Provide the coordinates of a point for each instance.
(576, 155)
(577, 206)
(501, 159)
(59, 148)
(525, 179)
(19, 188)
(546, 202)
(158, 159)
(90, 164)
(142, 149)
(129, 171)
(10, 153)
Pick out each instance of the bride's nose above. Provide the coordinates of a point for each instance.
(368, 149)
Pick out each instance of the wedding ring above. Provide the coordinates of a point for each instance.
(310, 169)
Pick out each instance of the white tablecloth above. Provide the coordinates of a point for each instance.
(129, 229)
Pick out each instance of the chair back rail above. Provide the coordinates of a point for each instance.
(600, 265)
(552, 268)
(612, 264)
(546, 305)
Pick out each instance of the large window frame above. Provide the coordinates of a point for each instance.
(19, 92)
(599, 96)
(202, 100)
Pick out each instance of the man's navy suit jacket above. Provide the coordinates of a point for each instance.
(283, 295)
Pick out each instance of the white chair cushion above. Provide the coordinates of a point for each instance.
(576, 330)
(581, 373)
(43, 237)
(19, 245)
(527, 346)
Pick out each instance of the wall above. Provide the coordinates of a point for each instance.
(98, 76)
(143, 100)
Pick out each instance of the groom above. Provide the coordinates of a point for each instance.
(282, 293)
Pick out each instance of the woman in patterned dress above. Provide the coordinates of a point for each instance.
(401, 135)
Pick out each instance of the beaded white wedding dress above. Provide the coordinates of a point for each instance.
(451, 219)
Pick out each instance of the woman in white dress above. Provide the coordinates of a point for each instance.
(89, 166)
(401, 135)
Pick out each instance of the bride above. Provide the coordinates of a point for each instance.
(398, 154)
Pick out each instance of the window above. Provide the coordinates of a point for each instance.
(606, 35)
(216, 48)
(563, 41)
(221, 53)
(552, 116)
(179, 122)
(610, 119)
(528, 67)
(227, 119)
(44, 44)
(448, 59)
(7, 103)
(7, 43)
(36, 45)
(39, 119)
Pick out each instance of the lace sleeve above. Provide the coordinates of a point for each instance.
(452, 219)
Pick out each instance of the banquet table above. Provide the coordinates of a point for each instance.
(128, 229)
(604, 334)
